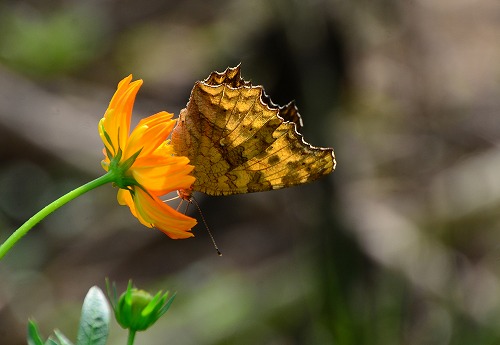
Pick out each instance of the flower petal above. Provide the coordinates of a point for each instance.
(149, 134)
(160, 215)
(164, 174)
(125, 198)
(116, 120)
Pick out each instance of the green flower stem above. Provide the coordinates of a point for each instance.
(30, 223)
(131, 337)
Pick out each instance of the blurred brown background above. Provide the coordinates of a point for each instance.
(401, 245)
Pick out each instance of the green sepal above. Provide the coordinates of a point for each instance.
(128, 163)
(108, 153)
(108, 139)
(165, 307)
(112, 293)
(115, 160)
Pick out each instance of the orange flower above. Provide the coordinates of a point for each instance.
(144, 162)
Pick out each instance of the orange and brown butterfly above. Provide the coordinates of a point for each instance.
(240, 142)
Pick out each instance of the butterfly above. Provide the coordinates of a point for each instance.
(239, 141)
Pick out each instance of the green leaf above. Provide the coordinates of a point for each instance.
(33, 336)
(62, 338)
(52, 341)
(94, 322)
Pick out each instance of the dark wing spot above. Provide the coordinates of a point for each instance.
(273, 160)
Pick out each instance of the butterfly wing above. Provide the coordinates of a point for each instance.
(239, 142)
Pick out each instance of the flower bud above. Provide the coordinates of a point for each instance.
(137, 310)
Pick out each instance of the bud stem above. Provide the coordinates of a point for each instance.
(131, 337)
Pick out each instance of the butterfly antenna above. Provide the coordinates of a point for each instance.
(205, 223)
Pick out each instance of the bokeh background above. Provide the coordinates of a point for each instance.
(401, 245)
